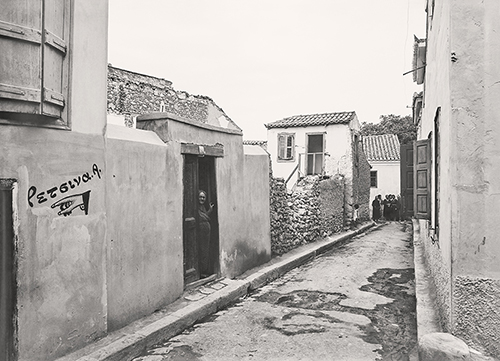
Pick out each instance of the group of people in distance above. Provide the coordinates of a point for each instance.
(388, 208)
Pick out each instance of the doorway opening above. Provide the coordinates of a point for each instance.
(8, 287)
(201, 226)
(315, 153)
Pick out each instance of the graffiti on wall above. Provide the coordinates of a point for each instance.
(67, 204)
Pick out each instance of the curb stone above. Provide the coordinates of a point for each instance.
(132, 340)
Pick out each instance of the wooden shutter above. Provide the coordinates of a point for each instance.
(281, 146)
(33, 60)
(55, 48)
(406, 168)
(20, 56)
(421, 174)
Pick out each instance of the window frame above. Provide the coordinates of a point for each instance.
(307, 153)
(285, 147)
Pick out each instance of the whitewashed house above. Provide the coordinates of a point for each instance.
(383, 154)
(313, 144)
(321, 144)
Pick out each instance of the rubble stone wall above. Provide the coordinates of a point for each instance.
(314, 210)
(131, 93)
(361, 185)
(331, 203)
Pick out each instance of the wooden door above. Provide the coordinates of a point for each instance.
(201, 250)
(7, 273)
(406, 169)
(209, 253)
(190, 217)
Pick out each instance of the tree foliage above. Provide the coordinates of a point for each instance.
(402, 126)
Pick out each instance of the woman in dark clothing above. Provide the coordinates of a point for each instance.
(376, 208)
(204, 230)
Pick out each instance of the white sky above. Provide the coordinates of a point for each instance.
(264, 60)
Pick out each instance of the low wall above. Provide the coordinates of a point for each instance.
(144, 234)
(331, 204)
(314, 210)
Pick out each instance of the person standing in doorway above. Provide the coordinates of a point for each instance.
(204, 230)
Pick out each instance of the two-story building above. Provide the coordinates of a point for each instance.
(321, 144)
(457, 165)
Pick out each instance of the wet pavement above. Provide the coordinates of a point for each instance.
(355, 302)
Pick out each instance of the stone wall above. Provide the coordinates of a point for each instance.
(361, 185)
(132, 94)
(314, 210)
(331, 203)
(281, 241)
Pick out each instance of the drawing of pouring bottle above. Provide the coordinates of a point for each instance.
(68, 204)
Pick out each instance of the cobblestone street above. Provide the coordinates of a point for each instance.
(355, 302)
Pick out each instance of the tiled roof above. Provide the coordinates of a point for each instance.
(313, 119)
(381, 147)
(255, 142)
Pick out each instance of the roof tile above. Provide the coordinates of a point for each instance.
(381, 147)
(313, 119)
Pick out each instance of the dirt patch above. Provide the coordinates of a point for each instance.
(169, 351)
(393, 325)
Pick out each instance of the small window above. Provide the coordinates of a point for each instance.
(286, 146)
(373, 179)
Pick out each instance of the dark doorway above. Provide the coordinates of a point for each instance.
(201, 237)
(315, 153)
(7, 272)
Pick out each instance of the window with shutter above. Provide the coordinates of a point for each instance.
(34, 62)
(421, 183)
(286, 146)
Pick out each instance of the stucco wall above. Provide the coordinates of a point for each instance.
(474, 88)
(437, 96)
(257, 246)
(89, 53)
(61, 298)
(462, 78)
(337, 145)
(238, 245)
(144, 213)
(388, 178)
